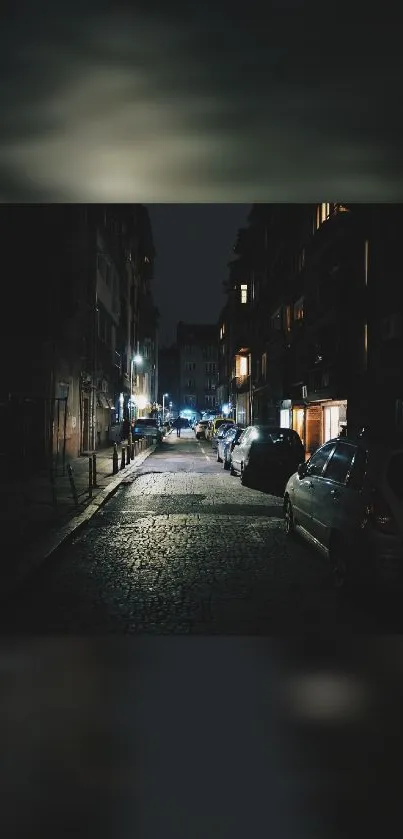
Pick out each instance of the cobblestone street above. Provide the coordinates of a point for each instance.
(183, 547)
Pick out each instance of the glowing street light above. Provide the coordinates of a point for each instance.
(136, 360)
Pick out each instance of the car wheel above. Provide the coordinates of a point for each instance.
(289, 518)
(197, 436)
(232, 470)
(226, 463)
(244, 476)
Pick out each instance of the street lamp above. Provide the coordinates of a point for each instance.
(137, 359)
(163, 406)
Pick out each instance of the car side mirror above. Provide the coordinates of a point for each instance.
(301, 470)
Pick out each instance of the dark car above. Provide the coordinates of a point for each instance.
(227, 442)
(146, 427)
(267, 456)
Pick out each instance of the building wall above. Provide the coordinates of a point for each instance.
(198, 366)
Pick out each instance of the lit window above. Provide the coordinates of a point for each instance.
(244, 293)
(322, 213)
(299, 309)
(287, 318)
(243, 366)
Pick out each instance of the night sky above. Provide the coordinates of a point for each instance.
(194, 244)
(162, 102)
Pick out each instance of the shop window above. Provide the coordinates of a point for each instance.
(244, 293)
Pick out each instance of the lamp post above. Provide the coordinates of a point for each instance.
(137, 359)
(163, 406)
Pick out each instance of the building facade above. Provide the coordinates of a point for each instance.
(79, 303)
(198, 367)
(319, 344)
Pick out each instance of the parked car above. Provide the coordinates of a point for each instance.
(267, 455)
(347, 500)
(221, 430)
(200, 429)
(147, 427)
(227, 442)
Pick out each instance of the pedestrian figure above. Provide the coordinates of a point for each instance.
(125, 429)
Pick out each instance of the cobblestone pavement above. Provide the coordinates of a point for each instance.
(183, 547)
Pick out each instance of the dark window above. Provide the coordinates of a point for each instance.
(340, 462)
(318, 460)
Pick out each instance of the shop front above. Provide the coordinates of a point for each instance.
(317, 422)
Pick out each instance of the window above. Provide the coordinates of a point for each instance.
(299, 309)
(322, 213)
(366, 254)
(244, 293)
(210, 367)
(243, 366)
(340, 462)
(357, 473)
(264, 365)
(317, 462)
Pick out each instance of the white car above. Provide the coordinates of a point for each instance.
(347, 500)
(200, 429)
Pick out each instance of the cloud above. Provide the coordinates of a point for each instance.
(117, 107)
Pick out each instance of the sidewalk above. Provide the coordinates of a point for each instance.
(36, 516)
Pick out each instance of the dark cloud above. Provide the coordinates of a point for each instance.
(288, 103)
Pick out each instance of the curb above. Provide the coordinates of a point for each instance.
(50, 544)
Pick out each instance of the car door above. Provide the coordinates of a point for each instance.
(329, 496)
(238, 451)
(305, 486)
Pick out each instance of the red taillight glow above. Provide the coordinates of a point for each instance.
(381, 515)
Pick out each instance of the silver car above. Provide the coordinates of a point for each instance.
(347, 500)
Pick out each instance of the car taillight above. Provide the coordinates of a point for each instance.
(380, 514)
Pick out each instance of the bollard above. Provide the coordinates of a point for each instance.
(94, 470)
(90, 477)
(132, 450)
(128, 452)
(136, 448)
(115, 460)
(123, 460)
(72, 483)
